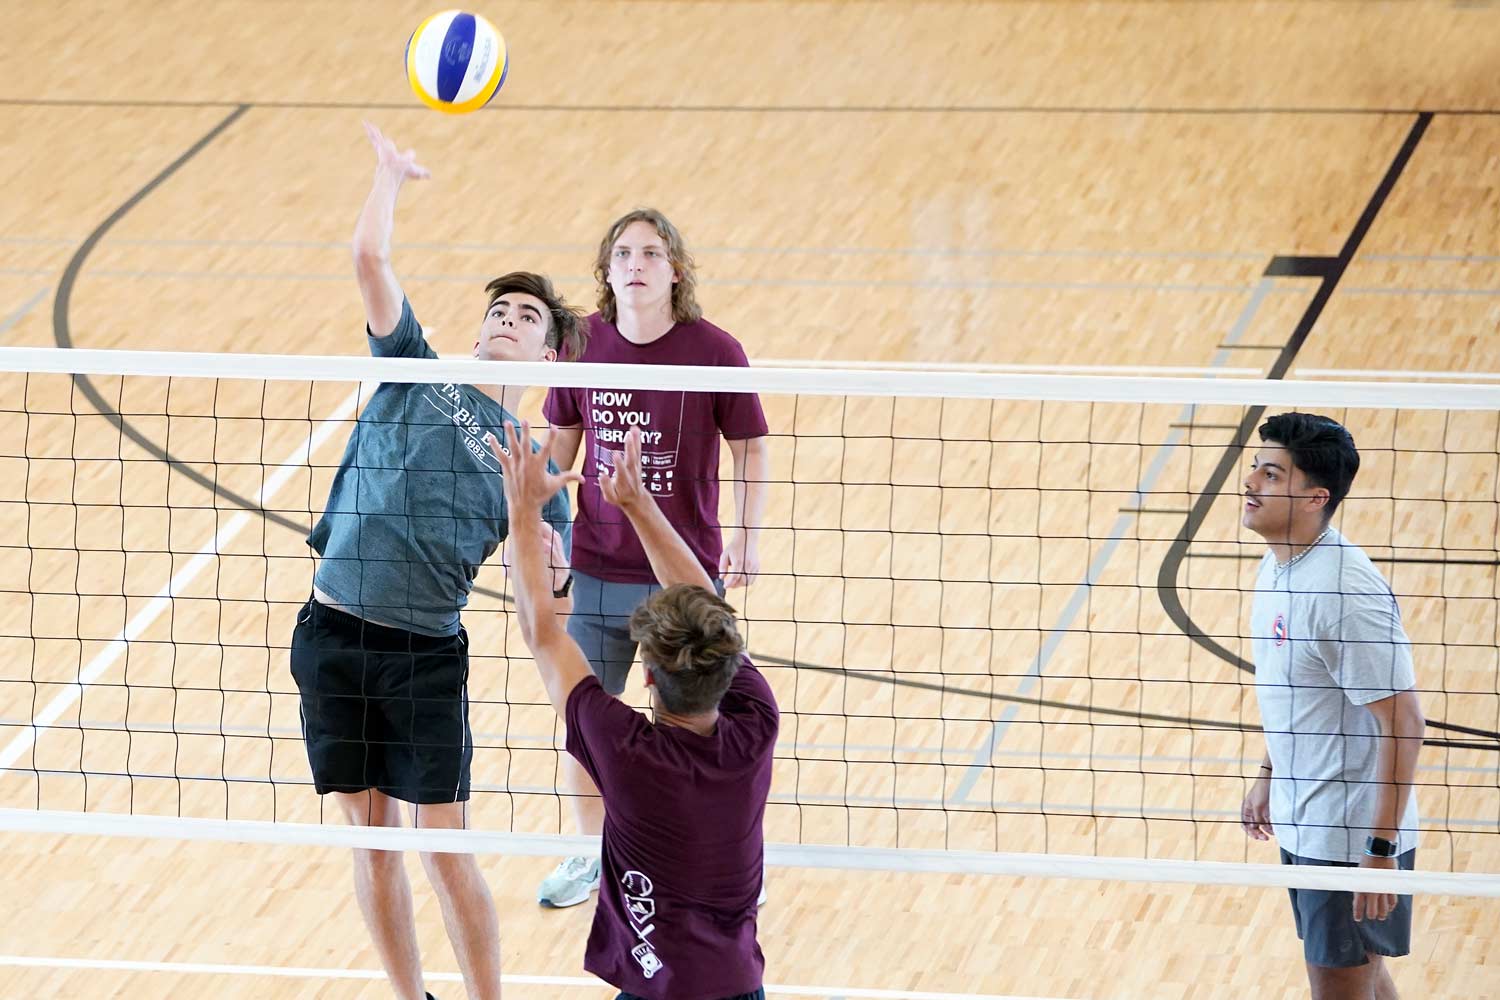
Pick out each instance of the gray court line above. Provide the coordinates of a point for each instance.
(490, 741)
(1132, 811)
(589, 249)
(1122, 525)
(1015, 253)
(26, 307)
(997, 285)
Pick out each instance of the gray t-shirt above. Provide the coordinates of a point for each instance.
(416, 505)
(1327, 641)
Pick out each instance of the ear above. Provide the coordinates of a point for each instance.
(476, 347)
(1318, 498)
(650, 680)
(550, 354)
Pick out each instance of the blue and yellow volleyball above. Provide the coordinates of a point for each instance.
(456, 62)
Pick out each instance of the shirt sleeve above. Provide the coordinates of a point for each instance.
(1367, 651)
(738, 414)
(561, 407)
(601, 730)
(405, 341)
(750, 697)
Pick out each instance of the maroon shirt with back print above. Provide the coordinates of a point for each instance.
(683, 847)
(679, 446)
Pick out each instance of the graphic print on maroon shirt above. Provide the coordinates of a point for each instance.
(680, 434)
(683, 845)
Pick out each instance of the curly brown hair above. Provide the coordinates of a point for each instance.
(691, 643)
(685, 308)
(568, 332)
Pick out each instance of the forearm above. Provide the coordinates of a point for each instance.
(537, 610)
(377, 220)
(752, 474)
(672, 562)
(378, 286)
(1400, 746)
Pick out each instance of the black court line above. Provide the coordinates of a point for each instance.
(800, 109)
(1329, 271)
(62, 335)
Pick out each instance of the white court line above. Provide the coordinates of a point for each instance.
(1398, 376)
(981, 366)
(294, 972)
(295, 460)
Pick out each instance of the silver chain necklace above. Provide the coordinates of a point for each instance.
(1283, 567)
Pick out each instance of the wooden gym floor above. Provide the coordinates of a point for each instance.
(996, 183)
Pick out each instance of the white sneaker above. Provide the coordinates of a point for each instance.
(570, 882)
(761, 899)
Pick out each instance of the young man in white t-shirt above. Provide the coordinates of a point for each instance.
(1343, 723)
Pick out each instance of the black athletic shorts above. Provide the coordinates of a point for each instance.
(382, 707)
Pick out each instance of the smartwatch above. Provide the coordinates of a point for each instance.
(1379, 847)
(565, 589)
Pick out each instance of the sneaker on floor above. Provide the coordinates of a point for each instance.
(761, 899)
(570, 883)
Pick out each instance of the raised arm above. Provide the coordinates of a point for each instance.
(528, 485)
(372, 233)
(672, 562)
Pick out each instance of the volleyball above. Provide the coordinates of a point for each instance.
(456, 61)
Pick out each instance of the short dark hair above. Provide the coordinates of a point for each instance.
(567, 332)
(1320, 447)
(691, 643)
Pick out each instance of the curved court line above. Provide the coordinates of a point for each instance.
(161, 601)
(1167, 574)
(62, 335)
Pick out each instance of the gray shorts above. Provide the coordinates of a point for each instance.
(1330, 935)
(600, 624)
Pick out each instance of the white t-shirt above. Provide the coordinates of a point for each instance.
(1327, 641)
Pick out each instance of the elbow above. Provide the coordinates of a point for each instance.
(1416, 721)
(369, 261)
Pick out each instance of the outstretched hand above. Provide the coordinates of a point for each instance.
(527, 480)
(623, 485)
(404, 165)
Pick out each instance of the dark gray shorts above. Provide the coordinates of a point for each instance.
(600, 624)
(1325, 921)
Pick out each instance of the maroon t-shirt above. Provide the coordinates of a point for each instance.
(679, 445)
(682, 852)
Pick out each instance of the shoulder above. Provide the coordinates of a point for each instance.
(716, 345)
(1356, 573)
(591, 710)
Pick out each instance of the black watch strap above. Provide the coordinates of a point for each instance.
(1379, 847)
(565, 589)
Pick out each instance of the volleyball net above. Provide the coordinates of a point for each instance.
(1006, 615)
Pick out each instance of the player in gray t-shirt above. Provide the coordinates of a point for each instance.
(378, 654)
(1343, 723)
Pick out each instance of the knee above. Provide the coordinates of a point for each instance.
(380, 866)
(449, 871)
